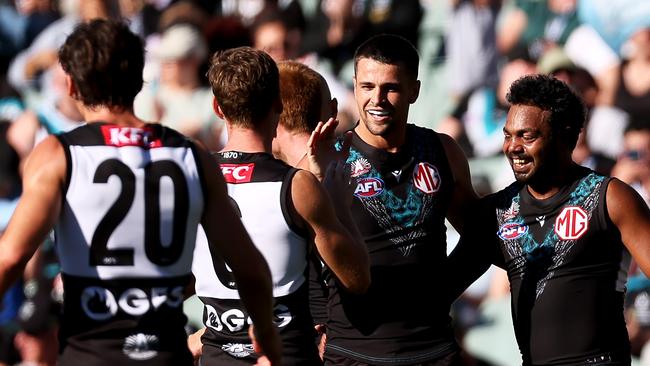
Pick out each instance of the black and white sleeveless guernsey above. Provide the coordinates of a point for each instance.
(125, 239)
(567, 268)
(259, 187)
(400, 204)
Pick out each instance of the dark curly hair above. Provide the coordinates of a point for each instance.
(246, 83)
(568, 111)
(105, 61)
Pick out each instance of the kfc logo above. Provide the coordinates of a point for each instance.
(237, 173)
(130, 136)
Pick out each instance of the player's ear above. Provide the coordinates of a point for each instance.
(71, 88)
(217, 108)
(415, 92)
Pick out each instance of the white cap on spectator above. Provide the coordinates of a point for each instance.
(181, 41)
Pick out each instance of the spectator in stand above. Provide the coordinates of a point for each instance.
(10, 189)
(55, 114)
(471, 45)
(632, 87)
(478, 119)
(340, 26)
(633, 165)
(178, 99)
(29, 64)
(537, 26)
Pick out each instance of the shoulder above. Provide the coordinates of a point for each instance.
(455, 155)
(304, 179)
(620, 194)
(503, 199)
(424, 135)
(47, 160)
(50, 145)
(625, 207)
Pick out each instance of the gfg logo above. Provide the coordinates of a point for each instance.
(571, 223)
(235, 319)
(369, 187)
(101, 304)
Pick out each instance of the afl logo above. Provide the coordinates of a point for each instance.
(369, 187)
(512, 231)
(426, 178)
(571, 223)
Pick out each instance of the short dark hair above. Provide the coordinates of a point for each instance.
(105, 61)
(389, 49)
(301, 89)
(245, 83)
(568, 112)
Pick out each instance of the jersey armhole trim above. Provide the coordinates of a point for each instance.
(603, 211)
(286, 203)
(199, 167)
(68, 164)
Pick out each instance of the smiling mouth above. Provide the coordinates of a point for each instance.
(519, 164)
(378, 113)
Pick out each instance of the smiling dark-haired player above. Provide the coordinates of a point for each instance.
(563, 232)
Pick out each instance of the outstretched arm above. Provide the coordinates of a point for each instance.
(477, 249)
(463, 196)
(226, 234)
(631, 215)
(37, 211)
(333, 230)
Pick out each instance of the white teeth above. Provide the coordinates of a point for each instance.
(518, 161)
(378, 113)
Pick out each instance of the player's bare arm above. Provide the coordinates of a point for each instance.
(464, 196)
(337, 239)
(631, 215)
(37, 211)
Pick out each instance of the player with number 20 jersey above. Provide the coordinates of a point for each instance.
(124, 171)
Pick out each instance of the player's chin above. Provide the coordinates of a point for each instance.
(381, 128)
(522, 177)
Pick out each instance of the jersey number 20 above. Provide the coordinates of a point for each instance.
(156, 252)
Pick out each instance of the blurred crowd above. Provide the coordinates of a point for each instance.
(471, 50)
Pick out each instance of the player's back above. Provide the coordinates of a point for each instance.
(125, 240)
(260, 188)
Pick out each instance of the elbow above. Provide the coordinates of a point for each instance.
(360, 284)
(11, 267)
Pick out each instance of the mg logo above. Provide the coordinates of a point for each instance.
(426, 178)
(571, 223)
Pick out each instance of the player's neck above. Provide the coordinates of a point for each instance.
(247, 140)
(391, 141)
(551, 183)
(294, 148)
(114, 116)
